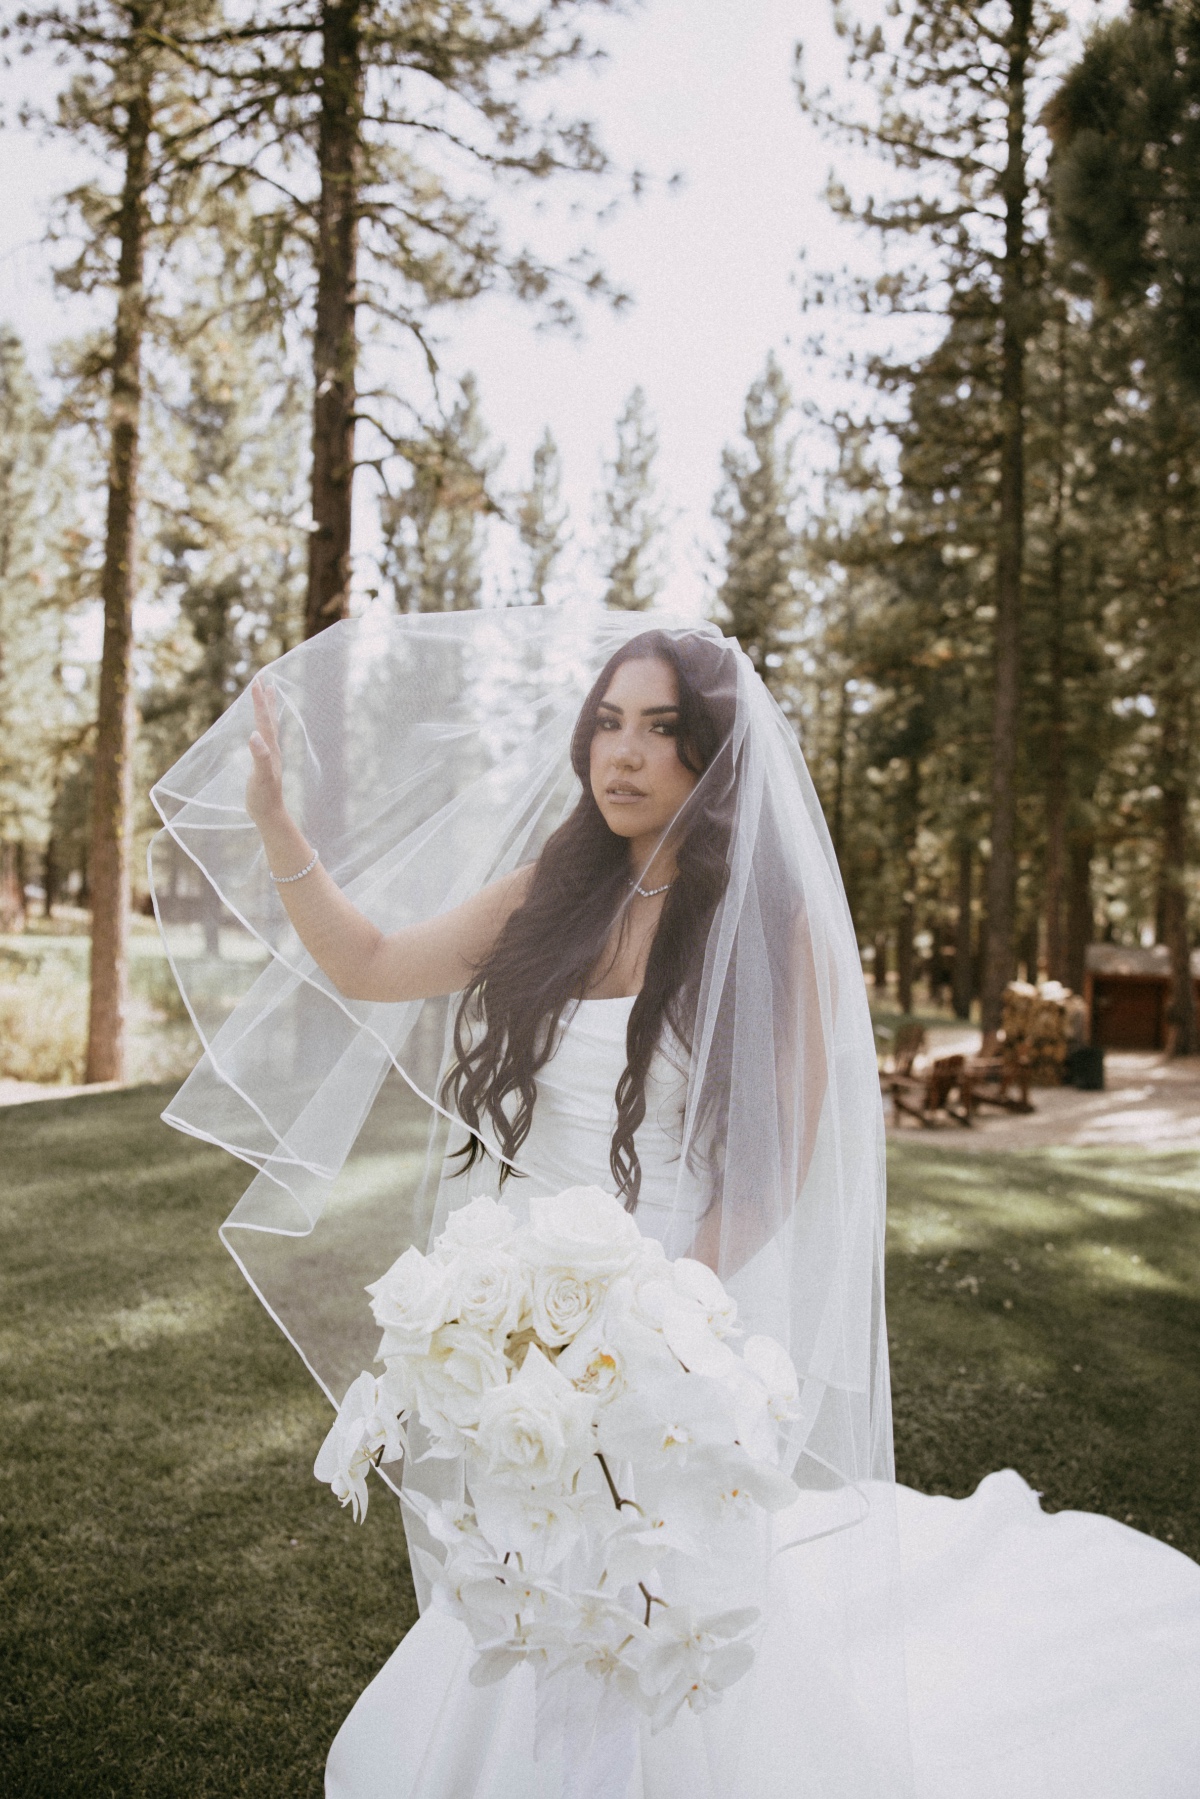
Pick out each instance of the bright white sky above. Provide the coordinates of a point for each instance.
(699, 86)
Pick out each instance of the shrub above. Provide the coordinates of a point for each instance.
(43, 1024)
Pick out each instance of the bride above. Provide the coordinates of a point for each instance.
(544, 899)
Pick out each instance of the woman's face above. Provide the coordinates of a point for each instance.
(637, 779)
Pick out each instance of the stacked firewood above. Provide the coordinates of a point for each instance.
(1036, 1023)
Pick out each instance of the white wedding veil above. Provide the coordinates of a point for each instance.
(425, 756)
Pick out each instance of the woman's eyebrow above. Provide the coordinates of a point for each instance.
(646, 712)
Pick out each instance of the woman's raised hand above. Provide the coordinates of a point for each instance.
(264, 789)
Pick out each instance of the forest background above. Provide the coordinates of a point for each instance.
(968, 564)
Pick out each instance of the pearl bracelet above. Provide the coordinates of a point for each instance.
(282, 880)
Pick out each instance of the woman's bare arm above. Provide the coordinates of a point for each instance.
(802, 1077)
(437, 956)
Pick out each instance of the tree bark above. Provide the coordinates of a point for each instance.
(49, 877)
(1080, 917)
(879, 968)
(1181, 1011)
(904, 954)
(1056, 756)
(1002, 865)
(335, 346)
(963, 971)
(112, 790)
(910, 802)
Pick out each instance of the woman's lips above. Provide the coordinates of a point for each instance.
(624, 796)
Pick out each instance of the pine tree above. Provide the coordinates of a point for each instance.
(129, 98)
(542, 519)
(1126, 123)
(954, 109)
(1127, 141)
(226, 550)
(41, 717)
(408, 115)
(760, 585)
(630, 514)
(432, 526)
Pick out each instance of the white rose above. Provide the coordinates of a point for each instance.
(561, 1303)
(583, 1229)
(451, 1382)
(483, 1224)
(409, 1302)
(534, 1432)
(487, 1290)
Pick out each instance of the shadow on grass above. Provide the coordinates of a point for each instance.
(1044, 1312)
(183, 1611)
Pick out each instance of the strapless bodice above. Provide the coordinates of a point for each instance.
(576, 1113)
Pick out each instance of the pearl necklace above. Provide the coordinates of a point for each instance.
(648, 892)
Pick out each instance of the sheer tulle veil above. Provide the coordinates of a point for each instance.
(426, 756)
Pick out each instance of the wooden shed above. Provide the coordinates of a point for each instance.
(1127, 992)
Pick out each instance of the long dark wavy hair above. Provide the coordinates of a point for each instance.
(549, 950)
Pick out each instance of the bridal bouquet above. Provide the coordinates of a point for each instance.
(621, 1455)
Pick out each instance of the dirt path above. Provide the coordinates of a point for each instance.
(1148, 1101)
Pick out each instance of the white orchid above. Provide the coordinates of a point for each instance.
(365, 1432)
(666, 1421)
(769, 1360)
(695, 1282)
(543, 1525)
(621, 1457)
(615, 1349)
(691, 1659)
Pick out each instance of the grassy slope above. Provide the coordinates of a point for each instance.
(183, 1611)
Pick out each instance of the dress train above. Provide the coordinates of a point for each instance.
(1049, 1656)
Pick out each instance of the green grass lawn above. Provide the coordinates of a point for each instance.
(183, 1611)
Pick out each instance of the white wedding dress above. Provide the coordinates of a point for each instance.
(1047, 1657)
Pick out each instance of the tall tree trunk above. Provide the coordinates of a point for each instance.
(335, 346)
(879, 968)
(112, 789)
(1056, 757)
(1002, 865)
(905, 925)
(838, 822)
(12, 898)
(1081, 921)
(49, 877)
(910, 802)
(1181, 1011)
(963, 972)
